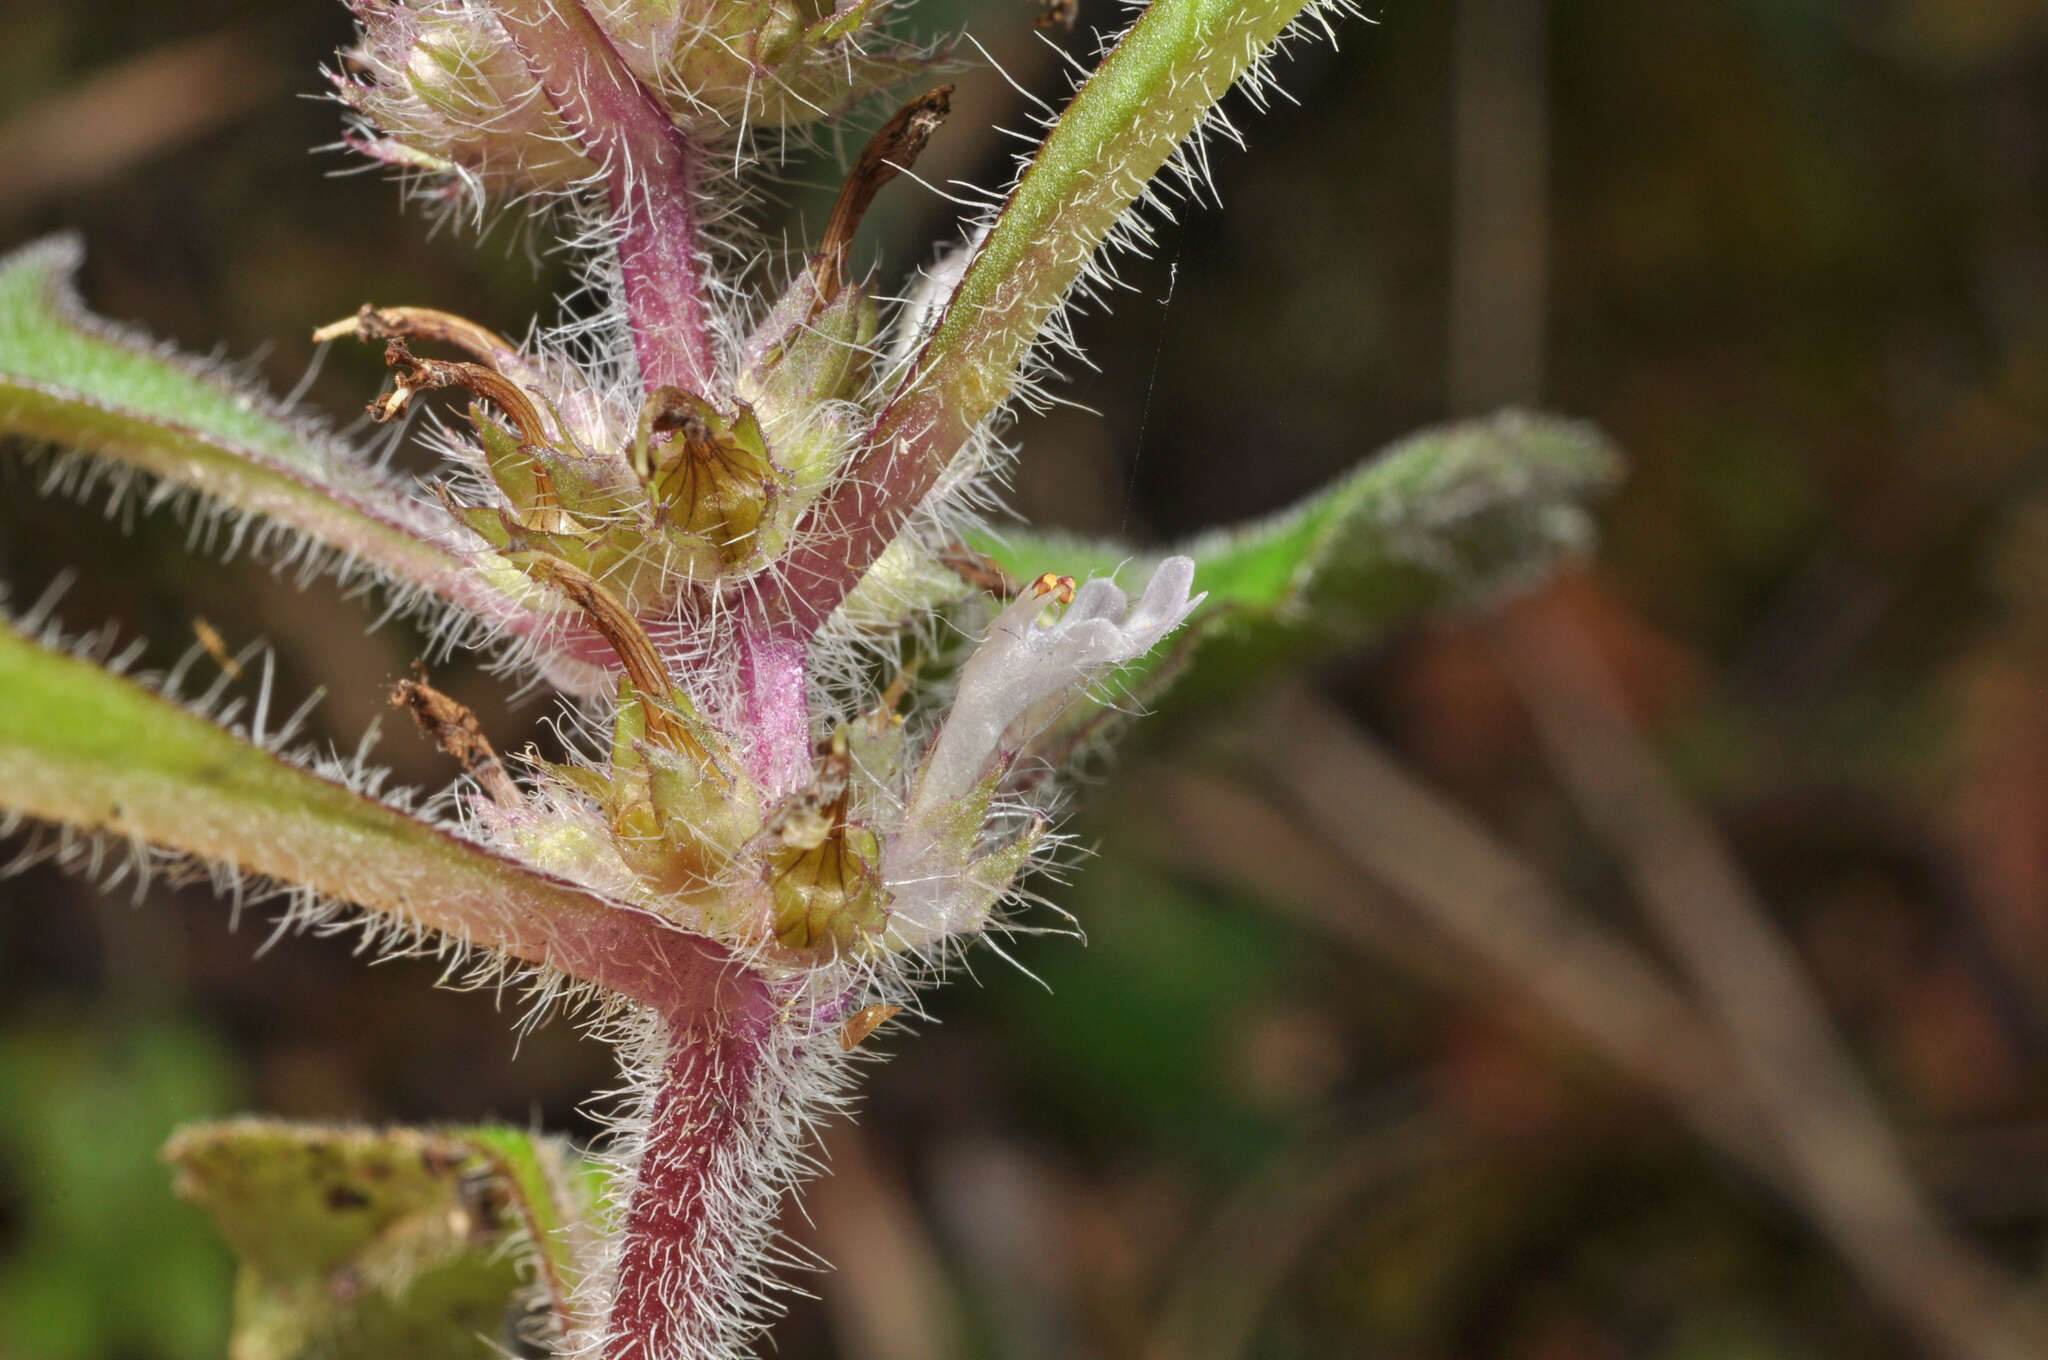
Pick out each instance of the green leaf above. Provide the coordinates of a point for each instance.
(371, 1244)
(1451, 514)
(103, 755)
(70, 379)
(556, 1197)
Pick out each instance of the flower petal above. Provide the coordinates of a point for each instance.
(1025, 661)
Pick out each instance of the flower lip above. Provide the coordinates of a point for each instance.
(1026, 661)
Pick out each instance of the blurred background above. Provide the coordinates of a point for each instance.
(1659, 968)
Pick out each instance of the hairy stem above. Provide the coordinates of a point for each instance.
(1128, 118)
(697, 1207)
(775, 709)
(651, 172)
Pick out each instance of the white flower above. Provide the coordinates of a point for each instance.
(1024, 662)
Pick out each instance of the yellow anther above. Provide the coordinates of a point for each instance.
(1054, 584)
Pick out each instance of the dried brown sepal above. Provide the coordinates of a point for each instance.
(419, 375)
(451, 726)
(642, 664)
(888, 154)
(864, 1022)
(419, 323)
(979, 570)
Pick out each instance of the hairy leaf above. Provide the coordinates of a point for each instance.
(361, 1243)
(1444, 516)
(102, 755)
(70, 379)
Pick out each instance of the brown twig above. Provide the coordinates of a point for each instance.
(127, 113)
(1227, 1278)
(1744, 1101)
(1492, 908)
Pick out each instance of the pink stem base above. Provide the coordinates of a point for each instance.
(698, 1206)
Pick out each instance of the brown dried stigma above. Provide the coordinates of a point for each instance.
(642, 664)
(419, 375)
(420, 323)
(451, 726)
(888, 154)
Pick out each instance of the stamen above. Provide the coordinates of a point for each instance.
(1052, 583)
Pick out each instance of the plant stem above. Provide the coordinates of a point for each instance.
(697, 1208)
(774, 708)
(651, 172)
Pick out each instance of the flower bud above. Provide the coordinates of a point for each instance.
(440, 87)
(721, 64)
(807, 365)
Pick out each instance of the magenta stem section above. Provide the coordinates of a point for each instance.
(849, 529)
(651, 171)
(776, 713)
(695, 1193)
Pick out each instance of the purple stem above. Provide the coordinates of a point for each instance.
(682, 1284)
(776, 711)
(651, 172)
(907, 449)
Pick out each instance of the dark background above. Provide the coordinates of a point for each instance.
(1791, 254)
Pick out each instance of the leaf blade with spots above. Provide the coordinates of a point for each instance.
(366, 1243)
